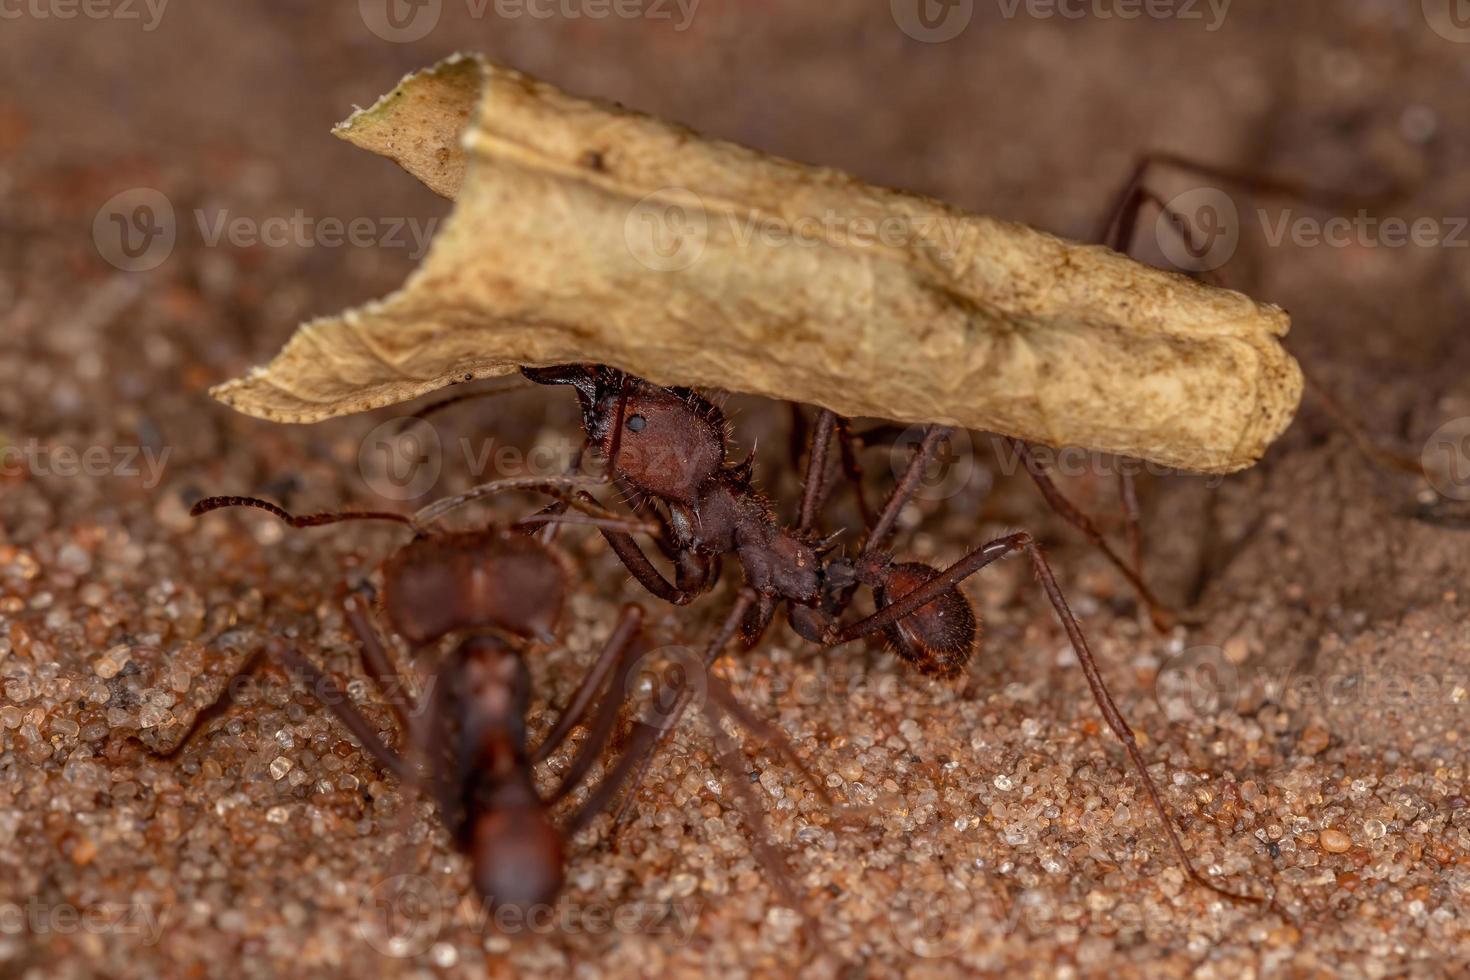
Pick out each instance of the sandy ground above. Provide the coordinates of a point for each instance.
(1308, 728)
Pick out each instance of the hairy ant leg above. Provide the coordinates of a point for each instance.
(770, 857)
(1163, 618)
(662, 720)
(335, 698)
(693, 573)
(848, 444)
(616, 647)
(375, 658)
(604, 722)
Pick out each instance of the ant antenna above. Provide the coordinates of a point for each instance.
(558, 487)
(302, 521)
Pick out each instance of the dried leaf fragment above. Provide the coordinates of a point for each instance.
(583, 232)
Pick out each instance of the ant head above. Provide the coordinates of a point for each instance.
(518, 855)
(671, 442)
(492, 579)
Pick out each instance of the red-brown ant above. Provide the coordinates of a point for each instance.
(669, 446)
(497, 592)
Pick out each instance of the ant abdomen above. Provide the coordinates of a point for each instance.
(938, 637)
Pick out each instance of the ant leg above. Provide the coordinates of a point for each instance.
(904, 490)
(602, 724)
(693, 575)
(210, 713)
(814, 485)
(853, 469)
(329, 693)
(1162, 618)
(1122, 217)
(768, 734)
(799, 434)
(1128, 494)
(972, 563)
(770, 857)
(664, 720)
(616, 647)
(557, 487)
(375, 658)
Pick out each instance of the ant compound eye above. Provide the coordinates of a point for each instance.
(636, 423)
